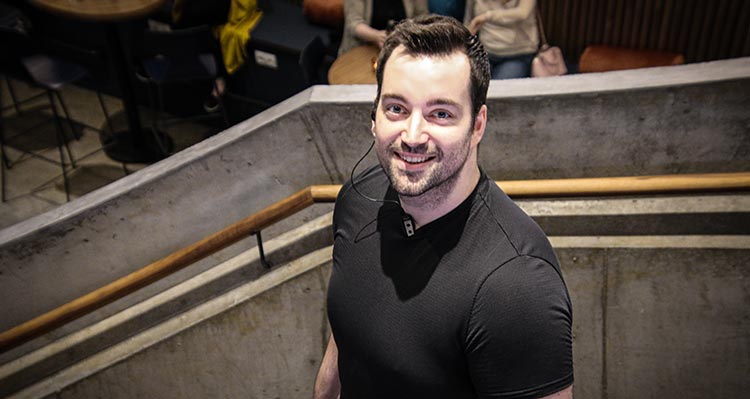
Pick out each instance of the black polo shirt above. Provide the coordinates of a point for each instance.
(472, 305)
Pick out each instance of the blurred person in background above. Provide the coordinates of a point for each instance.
(449, 8)
(367, 21)
(508, 30)
(232, 21)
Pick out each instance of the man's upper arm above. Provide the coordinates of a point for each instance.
(327, 385)
(566, 393)
(519, 340)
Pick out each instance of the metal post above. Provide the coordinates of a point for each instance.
(263, 260)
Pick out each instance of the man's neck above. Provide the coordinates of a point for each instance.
(436, 202)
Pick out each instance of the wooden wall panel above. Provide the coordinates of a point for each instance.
(700, 30)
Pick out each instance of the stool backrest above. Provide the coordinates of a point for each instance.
(179, 55)
(180, 43)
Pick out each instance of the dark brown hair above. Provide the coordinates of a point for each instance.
(435, 35)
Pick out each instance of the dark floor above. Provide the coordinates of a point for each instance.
(35, 185)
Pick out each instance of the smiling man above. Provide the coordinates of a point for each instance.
(441, 286)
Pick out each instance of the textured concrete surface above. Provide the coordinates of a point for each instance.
(79, 347)
(648, 322)
(586, 261)
(677, 323)
(267, 347)
(659, 323)
(583, 270)
(689, 129)
(629, 122)
(690, 119)
(98, 244)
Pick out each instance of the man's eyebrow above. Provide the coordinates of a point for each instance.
(387, 96)
(437, 101)
(444, 101)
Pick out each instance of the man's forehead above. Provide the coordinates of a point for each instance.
(402, 52)
(446, 73)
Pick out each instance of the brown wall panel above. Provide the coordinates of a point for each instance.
(701, 31)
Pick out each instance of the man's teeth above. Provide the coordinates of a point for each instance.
(412, 159)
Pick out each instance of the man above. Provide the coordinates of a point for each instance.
(441, 286)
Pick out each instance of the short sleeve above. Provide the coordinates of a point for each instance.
(519, 340)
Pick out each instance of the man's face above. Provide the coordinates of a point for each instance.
(423, 126)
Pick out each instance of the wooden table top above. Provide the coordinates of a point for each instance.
(100, 10)
(356, 66)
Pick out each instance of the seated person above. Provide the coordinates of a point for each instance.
(508, 31)
(367, 21)
(232, 21)
(449, 8)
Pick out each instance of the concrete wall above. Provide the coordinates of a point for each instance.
(654, 121)
(269, 347)
(652, 319)
(659, 323)
(681, 119)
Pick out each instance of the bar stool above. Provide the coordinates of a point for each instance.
(51, 74)
(179, 56)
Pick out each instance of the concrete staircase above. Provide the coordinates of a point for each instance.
(38, 371)
(659, 284)
(659, 287)
(676, 120)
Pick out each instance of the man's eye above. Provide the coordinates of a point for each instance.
(396, 109)
(442, 114)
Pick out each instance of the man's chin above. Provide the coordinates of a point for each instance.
(407, 184)
(406, 188)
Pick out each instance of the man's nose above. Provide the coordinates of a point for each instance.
(414, 133)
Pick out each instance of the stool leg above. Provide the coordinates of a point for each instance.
(60, 143)
(109, 124)
(152, 105)
(13, 95)
(59, 124)
(67, 116)
(160, 100)
(106, 114)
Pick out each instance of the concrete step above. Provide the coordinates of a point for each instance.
(81, 346)
(237, 331)
(720, 214)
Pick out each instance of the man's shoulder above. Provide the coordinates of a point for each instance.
(514, 226)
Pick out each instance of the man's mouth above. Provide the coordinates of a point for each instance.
(415, 159)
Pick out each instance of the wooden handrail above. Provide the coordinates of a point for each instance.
(626, 185)
(327, 193)
(155, 271)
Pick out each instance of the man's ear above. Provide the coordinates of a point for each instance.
(372, 129)
(480, 124)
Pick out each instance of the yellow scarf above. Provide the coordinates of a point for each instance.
(233, 36)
